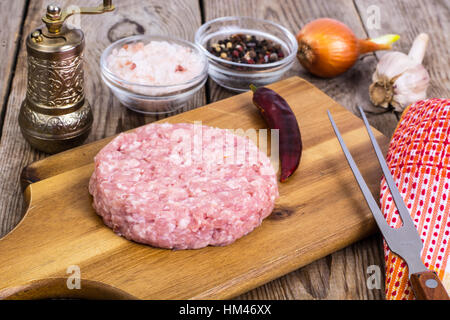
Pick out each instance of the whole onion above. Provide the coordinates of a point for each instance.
(327, 47)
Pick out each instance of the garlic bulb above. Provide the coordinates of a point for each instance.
(400, 79)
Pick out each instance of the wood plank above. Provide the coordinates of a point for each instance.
(350, 90)
(11, 15)
(319, 211)
(408, 19)
(175, 18)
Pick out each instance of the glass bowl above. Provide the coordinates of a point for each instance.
(238, 76)
(152, 99)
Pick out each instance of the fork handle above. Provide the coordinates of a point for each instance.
(427, 286)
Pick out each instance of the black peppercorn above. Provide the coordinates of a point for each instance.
(244, 48)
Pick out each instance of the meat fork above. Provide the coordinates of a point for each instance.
(403, 241)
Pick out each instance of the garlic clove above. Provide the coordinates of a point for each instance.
(411, 86)
(418, 47)
(394, 63)
(400, 79)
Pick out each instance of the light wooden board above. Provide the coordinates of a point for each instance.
(320, 210)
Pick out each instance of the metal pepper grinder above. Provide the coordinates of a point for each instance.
(55, 114)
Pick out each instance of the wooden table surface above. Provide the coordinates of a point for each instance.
(341, 275)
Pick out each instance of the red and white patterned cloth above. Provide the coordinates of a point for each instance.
(419, 159)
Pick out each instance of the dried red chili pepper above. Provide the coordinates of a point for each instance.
(278, 115)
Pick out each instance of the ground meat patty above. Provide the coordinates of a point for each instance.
(182, 186)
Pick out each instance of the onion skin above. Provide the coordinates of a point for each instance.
(327, 47)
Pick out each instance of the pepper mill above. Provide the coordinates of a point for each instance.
(55, 115)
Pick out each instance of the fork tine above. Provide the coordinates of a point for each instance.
(379, 218)
(400, 204)
(404, 241)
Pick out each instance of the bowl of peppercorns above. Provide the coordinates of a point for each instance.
(244, 50)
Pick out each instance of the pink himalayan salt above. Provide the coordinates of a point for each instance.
(156, 63)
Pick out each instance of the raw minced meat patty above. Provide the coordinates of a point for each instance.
(182, 186)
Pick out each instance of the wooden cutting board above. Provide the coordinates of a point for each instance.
(320, 210)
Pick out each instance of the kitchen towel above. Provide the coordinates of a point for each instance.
(419, 160)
